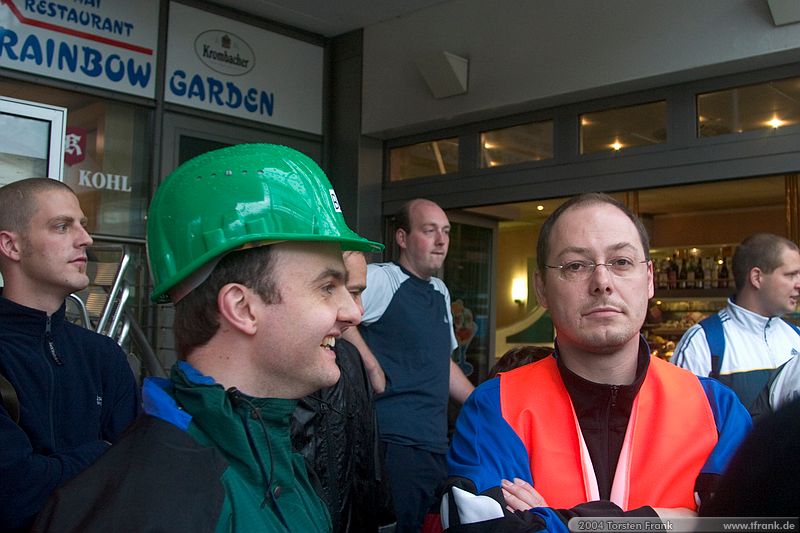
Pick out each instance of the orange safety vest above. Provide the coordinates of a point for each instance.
(671, 433)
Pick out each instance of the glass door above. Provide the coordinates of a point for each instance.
(186, 137)
(469, 275)
(31, 140)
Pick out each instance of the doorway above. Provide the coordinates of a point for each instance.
(187, 136)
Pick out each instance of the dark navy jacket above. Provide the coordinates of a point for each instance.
(76, 393)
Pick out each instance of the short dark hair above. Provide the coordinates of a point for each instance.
(516, 357)
(592, 198)
(760, 250)
(18, 199)
(196, 314)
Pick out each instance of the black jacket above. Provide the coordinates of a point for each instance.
(76, 393)
(335, 430)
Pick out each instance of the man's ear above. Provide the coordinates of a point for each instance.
(235, 306)
(755, 276)
(400, 237)
(538, 285)
(10, 245)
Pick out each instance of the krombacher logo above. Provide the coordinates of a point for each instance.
(224, 52)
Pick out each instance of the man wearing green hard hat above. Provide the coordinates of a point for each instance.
(247, 243)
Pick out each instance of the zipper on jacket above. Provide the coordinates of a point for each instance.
(48, 338)
(614, 392)
(236, 399)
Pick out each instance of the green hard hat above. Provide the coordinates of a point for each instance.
(245, 195)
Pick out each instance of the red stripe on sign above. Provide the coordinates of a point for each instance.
(74, 33)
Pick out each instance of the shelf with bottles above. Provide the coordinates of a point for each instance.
(690, 283)
(669, 318)
(695, 271)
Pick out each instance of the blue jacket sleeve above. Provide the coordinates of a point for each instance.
(733, 424)
(485, 449)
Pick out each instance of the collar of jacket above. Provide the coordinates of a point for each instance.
(28, 320)
(251, 433)
(588, 396)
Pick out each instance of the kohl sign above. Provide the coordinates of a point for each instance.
(224, 66)
(75, 153)
(109, 44)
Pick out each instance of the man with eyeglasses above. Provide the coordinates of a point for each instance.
(599, 428)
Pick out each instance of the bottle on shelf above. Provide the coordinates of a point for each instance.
(691, 270)
(724, 282)
(672, 274)
(662, 277)
(714, 273)
(699, 274)
(682, 275)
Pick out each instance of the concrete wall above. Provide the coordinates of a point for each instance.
(530, 54)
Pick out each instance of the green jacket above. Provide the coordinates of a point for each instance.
(201, 459)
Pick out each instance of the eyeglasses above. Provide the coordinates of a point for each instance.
(621, 267)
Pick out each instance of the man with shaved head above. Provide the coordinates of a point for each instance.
(75, 390)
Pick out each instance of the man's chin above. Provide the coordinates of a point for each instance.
(608, 343)
(332, 378)
(77, 284)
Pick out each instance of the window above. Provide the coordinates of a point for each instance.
(517, 144)
(754, 107)
(106, 156)
(423, 159)
(624, 127)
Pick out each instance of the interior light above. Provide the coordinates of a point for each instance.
(585, 121)
(519, 290)
(617, 145)
(540, 208)
(776, 122)
(489, 145)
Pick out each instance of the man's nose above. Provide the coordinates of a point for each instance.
(349, 311)
(84, 239)
(600, 279)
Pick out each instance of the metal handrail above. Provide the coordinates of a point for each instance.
(119, 308)
(148, 356)
(112, 294)
(124, 330)
(122, 321)
(82, 308)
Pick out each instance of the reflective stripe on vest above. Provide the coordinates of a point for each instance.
(670, 435)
